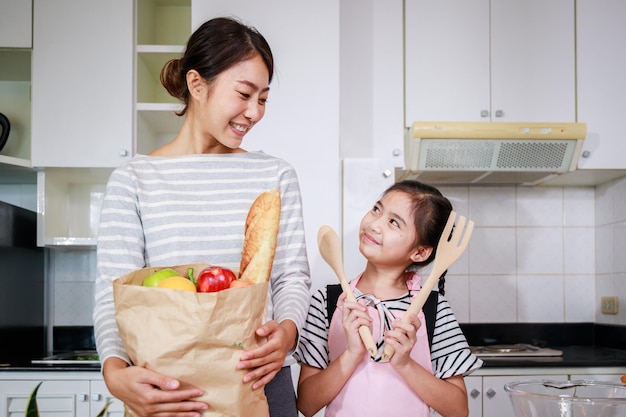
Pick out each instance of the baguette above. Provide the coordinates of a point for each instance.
(261, 233)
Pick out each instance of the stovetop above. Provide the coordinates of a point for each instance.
(514, 350)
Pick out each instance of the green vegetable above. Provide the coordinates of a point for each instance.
(32, 410)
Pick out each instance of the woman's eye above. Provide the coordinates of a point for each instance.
(375, 209)
(244, 95)
(262, 101)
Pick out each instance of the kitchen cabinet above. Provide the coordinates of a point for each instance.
(77, 394)
(82, 77)
(15, 104)
(490, 60)
(601, 82)
(16, 24)
(69, 201)
(162, 32)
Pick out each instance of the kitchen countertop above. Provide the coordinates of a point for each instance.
(573, 357)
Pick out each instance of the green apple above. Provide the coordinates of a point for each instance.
(153, 280)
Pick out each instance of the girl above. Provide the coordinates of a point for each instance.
(400, 233)
(187, 202)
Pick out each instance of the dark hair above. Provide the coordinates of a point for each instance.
(430, 215)
(213, 48)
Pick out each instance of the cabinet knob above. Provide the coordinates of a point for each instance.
(396, 152)
(586, 154)
(96, 397)
(387, 173)
(484, 113)
(123, 152)
(474, 393)
(81, 397)
(491, 393)
(499, 113)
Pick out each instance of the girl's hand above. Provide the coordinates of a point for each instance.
(148, 393)
(354, 315)
(402, 338)
(265, 361)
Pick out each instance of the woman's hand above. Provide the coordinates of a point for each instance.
(354, 315)
(266, 360)
(402, 338)
(148, 393)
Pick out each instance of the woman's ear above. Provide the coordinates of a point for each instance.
(195, 83)
(421, 253)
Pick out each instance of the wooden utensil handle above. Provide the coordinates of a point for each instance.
(415, 307)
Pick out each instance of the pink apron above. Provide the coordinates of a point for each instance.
(375, 389)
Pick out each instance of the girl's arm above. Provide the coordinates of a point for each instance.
(318, 387)
(448, 397)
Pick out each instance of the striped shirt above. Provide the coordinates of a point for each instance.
(450, 352)
(165, 211)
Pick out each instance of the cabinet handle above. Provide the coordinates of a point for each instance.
(484, 113)
(474, 393)
(491, 393)
(499, 113)
(81, 397)
(96, 397)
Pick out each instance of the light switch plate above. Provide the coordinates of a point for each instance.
(608, 305)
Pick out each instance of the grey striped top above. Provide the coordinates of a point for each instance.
(161, 211)
(450, 353)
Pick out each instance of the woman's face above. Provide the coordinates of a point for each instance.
(387, 233)
(234, 103)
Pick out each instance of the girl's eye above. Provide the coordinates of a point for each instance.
(394, 223)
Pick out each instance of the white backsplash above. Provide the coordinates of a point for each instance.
(537, 255)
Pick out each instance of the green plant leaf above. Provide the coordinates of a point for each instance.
(103, 412)
(32, 410)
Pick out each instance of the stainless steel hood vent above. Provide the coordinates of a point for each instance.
(491, 153)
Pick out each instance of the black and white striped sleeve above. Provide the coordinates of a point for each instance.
(313, 348)
(450, 352)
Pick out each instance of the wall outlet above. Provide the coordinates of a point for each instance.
(609, 305)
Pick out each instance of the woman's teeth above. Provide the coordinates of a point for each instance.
(239, 127)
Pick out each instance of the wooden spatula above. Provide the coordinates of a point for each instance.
(448, 251)
(330, 249)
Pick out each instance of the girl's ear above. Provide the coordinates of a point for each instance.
(421, 253)
(195, 83)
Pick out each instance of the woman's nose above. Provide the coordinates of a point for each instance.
(254, 112)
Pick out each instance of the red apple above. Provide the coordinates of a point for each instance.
(214, 278)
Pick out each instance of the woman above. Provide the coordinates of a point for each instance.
(187, 202)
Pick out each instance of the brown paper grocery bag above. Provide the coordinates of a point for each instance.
(196, 338)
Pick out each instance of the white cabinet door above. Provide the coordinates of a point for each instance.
(496, 401)
(484, 60)
(16, 24)
(601, 82)
(82, 78)
(446, 60)
(54, 398)
(100, 396)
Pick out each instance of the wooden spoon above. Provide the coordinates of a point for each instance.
(330, 249)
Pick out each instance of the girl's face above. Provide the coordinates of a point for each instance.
(235, 102)
(387, 234)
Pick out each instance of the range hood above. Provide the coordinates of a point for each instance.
(490, 153)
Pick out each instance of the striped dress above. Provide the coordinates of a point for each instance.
(450, 353)
(163, 211)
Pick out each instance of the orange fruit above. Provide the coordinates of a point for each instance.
(239, 283)
(177, 283)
